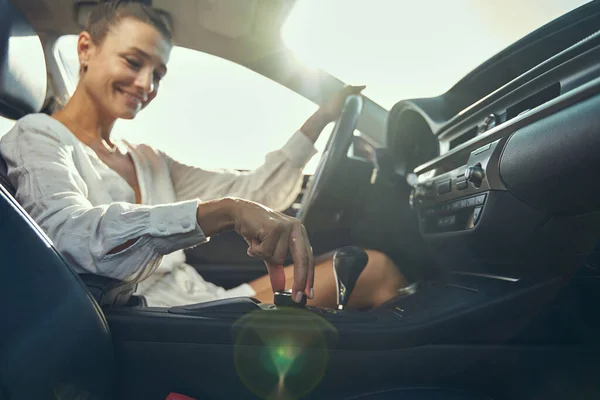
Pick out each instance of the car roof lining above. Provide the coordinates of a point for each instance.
(242, 31)
(261, 50)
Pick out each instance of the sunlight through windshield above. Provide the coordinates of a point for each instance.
(405, 49)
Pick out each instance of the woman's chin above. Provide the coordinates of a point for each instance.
(127, 114)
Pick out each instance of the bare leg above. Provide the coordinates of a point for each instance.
(379, 282)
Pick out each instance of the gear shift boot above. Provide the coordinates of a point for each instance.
(348, 264)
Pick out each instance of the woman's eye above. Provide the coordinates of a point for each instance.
(133, 63)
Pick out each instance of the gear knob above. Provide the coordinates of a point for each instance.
(348, 263)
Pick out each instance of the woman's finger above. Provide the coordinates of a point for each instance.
(276, 275)
(310, 282)
(300, 249)
(281, 249)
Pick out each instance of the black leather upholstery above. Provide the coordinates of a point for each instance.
(54, 340)
(4, 178)
(420, 394)
(110, 292)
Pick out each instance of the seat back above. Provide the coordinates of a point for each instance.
(54, 339)
(4, 181)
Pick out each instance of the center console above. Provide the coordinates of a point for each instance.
(454, 200)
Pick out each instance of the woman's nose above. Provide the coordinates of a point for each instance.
(145, 82)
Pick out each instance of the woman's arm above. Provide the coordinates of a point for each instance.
(329, 112)
(52, 191)
(90, 237)
(275, 184)
(278, 181)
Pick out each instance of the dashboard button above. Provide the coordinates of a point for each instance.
(480, 199)
(428, 212)
(446, 221)
(476, 214)
(444, 187)
(482, 149)
(461, 184)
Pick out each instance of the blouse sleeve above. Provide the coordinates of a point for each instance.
(52, 191)
(275, 184)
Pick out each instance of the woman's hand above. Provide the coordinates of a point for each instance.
(332, 109)
(269, 234)
(329, 112)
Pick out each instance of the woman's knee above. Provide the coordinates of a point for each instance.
(384, 269)
(380, 262)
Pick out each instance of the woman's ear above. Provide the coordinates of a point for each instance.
(84, 49)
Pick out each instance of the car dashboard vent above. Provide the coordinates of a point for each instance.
(531, 102)
(465, 137)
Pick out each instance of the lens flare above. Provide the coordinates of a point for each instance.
(281, 354)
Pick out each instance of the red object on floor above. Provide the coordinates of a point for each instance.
(177, 396)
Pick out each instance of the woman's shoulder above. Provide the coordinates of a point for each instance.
(37, 124)
(145, 150)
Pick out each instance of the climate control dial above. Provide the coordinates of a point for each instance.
(475, 174)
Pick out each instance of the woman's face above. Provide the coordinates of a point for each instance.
(124, 71)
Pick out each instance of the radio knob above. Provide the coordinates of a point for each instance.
(475, 174)
(417, 196)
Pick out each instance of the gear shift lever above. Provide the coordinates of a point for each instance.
(348, 263)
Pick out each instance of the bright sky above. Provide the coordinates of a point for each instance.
(216, 114)
(410, 48)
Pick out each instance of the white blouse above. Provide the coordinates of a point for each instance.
(87, 209)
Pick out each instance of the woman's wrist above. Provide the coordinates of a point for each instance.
(217, 216)
(313, 126)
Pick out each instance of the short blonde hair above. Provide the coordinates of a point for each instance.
(109, 13)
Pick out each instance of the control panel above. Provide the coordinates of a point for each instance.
(455, 200)
(456, 215)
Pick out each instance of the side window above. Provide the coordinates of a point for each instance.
(5, 125)
(209, 112)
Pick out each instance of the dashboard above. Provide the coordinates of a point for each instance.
(508, 184)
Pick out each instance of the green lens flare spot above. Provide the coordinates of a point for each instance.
(282, 354)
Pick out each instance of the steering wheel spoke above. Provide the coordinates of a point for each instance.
(334, 154)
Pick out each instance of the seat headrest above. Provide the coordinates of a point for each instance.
(23, 78)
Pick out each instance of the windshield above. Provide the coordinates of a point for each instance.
(210, 112)
(406, 49)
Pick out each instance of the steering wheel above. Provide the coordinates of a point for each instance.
(334, 154)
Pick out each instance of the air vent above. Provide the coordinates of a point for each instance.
(533, 101)
(464, 137)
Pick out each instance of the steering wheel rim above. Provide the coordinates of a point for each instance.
(335, 152)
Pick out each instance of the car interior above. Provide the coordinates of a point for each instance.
(484, 195)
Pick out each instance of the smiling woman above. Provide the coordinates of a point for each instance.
(206, 99)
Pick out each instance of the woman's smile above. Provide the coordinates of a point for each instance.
(132, 101)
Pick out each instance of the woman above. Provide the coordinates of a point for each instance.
(127, 211)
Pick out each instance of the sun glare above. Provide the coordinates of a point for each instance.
(407, 48)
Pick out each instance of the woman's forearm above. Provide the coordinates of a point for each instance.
(314, 125)
(216, 216)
